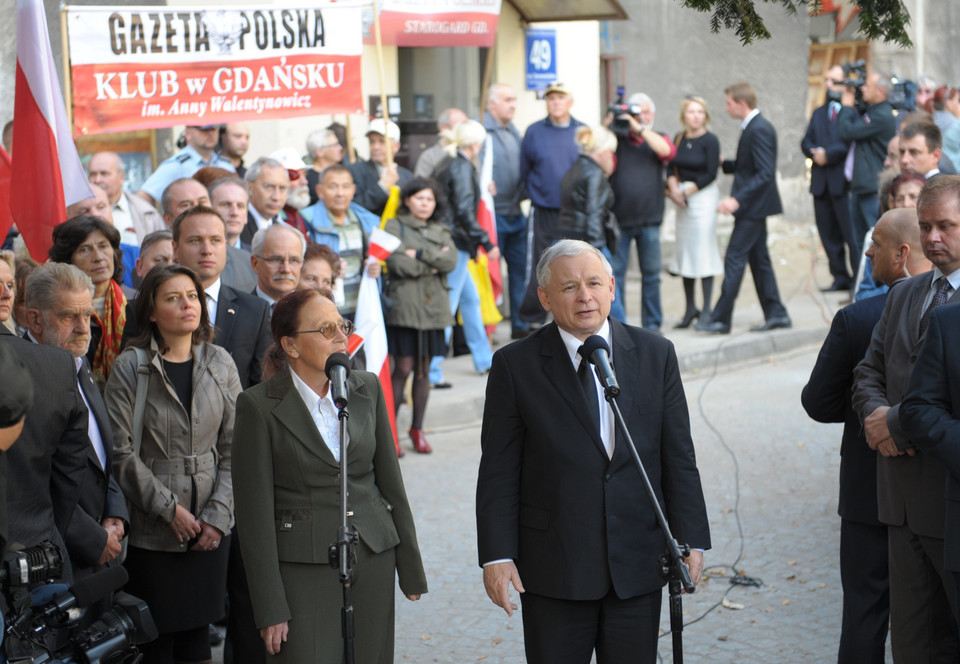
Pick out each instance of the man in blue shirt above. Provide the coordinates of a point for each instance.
(198, 153)
(547, 152)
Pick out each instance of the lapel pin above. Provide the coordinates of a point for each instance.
(231, 312)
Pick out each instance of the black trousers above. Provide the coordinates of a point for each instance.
(543, 228)
(243, 644)
(748, 245)
(833, 224)
(865, 578)
(557, 631)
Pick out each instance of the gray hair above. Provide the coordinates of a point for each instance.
(567, 249)
(50, 279)
(260, 238)
(317, 140)
(639, 99)
(253, 173)
(231, 180)
(884, 82)
(493, 92)
(154, 237)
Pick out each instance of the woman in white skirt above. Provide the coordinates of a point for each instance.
(692, 186)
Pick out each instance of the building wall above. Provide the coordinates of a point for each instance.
(670, 53)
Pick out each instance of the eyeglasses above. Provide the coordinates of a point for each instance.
(277, 261)
(329, 330)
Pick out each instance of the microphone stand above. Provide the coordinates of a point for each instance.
(343, 553)
(671, 562)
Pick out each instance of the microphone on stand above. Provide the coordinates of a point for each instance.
(595, 349)
(337, 370)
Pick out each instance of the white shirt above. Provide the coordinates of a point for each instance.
(262, 222)
(93, 430)
(324, 414)
(123, 221)
(213, 295)
(269, 300)
(607, 427)
(750, 116)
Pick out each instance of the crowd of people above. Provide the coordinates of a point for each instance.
(887, 206)
(188, 431)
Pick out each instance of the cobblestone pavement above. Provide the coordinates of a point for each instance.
(787, 505)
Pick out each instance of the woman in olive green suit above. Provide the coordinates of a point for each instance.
(286, 486)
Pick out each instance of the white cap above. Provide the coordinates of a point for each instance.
(392, 131)
(290, 158)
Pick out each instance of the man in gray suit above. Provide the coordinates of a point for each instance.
(910, 483)
(130, 213)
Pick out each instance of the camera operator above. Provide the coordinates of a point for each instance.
(870, 130)
(47, 466)
(59, 302)
(639, 186)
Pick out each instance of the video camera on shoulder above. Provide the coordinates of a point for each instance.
(618, 108)
(49, 622)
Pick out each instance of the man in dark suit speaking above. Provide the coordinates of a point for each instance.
(753, 198)
(560, 503)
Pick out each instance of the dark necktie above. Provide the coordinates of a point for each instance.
(943, 287)
(833, 112)
(589, 390)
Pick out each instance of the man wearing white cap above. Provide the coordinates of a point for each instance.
(298, 196)
(374, 178)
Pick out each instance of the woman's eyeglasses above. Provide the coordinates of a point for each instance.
(329, 330)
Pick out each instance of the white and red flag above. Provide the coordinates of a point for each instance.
(371, 334)
(47, 173)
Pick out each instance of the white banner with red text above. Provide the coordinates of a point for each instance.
(152, 67)
(435, 22)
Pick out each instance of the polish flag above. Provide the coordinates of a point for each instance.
(47, 173)
(487, 220)
(382, 244)
(6, 171)
(371, 334)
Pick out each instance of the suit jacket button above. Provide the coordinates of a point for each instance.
(608, 477)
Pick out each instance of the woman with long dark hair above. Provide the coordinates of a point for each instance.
(178, 480)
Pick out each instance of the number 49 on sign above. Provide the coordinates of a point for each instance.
(541, 63)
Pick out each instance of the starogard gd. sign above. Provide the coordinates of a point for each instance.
(152, 67)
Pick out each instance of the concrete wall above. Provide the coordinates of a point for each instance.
(670, 52)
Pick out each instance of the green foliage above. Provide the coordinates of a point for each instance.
(879, 19)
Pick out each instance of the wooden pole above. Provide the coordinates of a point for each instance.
(350, 154)
(486, 79)
(383, 95)
(65, 45)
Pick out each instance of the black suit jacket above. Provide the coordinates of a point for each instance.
(369, 194)
(243, 328)
(100, 495)
(755, 171)
(47, 464)
(828, 395)
(822, 133)
(548, 496)
(930, 413)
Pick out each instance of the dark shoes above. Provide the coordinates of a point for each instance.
(836, 286)
(776, 323)
(714, 327)
(689, 317)
(419, 441)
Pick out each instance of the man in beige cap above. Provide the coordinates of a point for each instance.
(375, 177)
